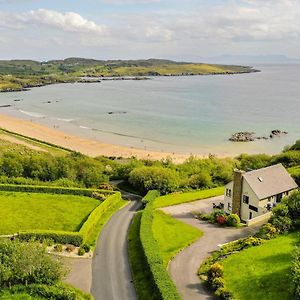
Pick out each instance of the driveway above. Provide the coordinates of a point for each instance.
(111, 274)
(184, 267)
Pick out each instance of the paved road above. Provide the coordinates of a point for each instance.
(112, 278)
(183, 268)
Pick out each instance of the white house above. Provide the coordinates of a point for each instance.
(252, 194)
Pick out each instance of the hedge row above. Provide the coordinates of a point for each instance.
(160, 277)
(151, 195)
(52, 190)
(61, 237)
(91, 223)
(74, 238)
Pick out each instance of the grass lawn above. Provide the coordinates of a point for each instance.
(178, 198)
(261, 272)
(140, 269)
(24, 211)
(172, 235)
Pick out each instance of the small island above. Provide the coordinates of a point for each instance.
(21, 75)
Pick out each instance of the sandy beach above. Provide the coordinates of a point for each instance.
(85, 146)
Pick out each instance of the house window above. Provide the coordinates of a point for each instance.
(253, 208)
(245, 199)
(228, 192)
(229, 206)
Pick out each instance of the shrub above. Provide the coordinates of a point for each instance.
(221, 219)
(81, 251)
(58, 248)
(200, 180)
(86, 248)
(61, 237)
(154, 178)
(215, 271)
(252, 241)
(267, 231)
(233, 220)
(217, 283)
(70, 248)
(295, 275)
(282, 224)
(224, 294)
(26, 263)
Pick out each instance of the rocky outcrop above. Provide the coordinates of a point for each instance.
(246, 136)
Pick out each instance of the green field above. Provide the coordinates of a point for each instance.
(261, 272)
(178, 198)
(27, 211)
(172, 235)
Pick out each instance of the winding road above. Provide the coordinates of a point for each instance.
(111, 274)
(184, 267)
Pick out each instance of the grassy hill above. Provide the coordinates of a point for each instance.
(17, 75)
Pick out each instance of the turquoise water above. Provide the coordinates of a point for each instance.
(176, 114)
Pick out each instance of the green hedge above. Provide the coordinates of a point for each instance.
(151, 195)
(166, 289)
(52, 190)
(91, 223)
(61, 237)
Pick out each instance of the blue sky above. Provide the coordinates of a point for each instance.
(180, 30)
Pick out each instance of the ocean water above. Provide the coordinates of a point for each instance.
(194, 114)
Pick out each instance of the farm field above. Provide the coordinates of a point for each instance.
(27, 211)
(261, 272)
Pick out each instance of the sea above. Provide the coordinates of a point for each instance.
(187, 115)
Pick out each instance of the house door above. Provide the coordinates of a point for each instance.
(250, 215)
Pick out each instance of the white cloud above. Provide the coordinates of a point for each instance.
(69, 21)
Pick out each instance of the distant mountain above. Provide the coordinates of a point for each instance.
(250, 59)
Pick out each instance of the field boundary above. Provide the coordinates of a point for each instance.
(87, 233)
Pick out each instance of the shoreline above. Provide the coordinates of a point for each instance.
(86, 146)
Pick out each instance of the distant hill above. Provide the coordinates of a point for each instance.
(29, 73)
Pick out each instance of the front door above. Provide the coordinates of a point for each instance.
(250, 215)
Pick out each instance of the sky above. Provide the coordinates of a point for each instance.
(185, 30)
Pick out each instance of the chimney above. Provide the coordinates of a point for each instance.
(237, 191)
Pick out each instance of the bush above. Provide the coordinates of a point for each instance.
(61, 237)
(282, 224)
(26, 263)
(70, 248)
(81, 251)
(224, 294)
(233, 220)
(154, 178)
(58, 248)
(86, 248)
(215, 271)
(295, 275)
(252, 241)
(267, 231)
(217, 283)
